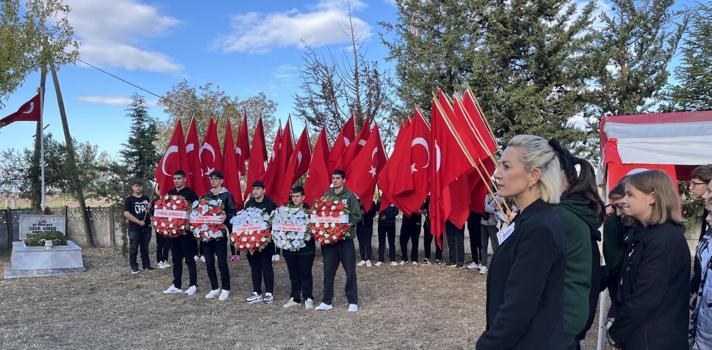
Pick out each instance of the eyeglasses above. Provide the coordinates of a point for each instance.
(695, 183)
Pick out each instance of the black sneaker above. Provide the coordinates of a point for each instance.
(460, 266)
(438, 262)
(149, 268)
(134, 271)
(426, 261)
(450, 265)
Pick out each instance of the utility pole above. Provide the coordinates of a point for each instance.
(36, 181)
(74, 172)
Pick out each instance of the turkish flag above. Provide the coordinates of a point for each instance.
(420, 159)
(275, 185)
(384, 177)
(452, 160)
(318, 175)
(195, 179)
(361, 176)
(209, 153)
(242, 146)
(173, 159)
(30, 111)
(474, 112)
(288, 139)
(229, 166)
(346, 136)
(258, 155)
(299, 161)
(354, 147)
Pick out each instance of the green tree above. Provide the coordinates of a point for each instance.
(30, 39)
(694, 90)
(184, 101)
(139, 153)
(523, 59)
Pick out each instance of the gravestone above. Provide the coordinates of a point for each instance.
(41, 223)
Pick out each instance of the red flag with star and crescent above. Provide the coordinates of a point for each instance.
(30, 111)
(363, 172)
(173, 159)
(231, 173)
(258, 155)
(242, 145)
(195, 179)
(418, 159)
(318, 176)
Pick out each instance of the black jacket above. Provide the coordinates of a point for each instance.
(387, 217)
(651, 304)
(525, 285)
(266, 204)
(228, 202)
(186, 192)
(366, 223)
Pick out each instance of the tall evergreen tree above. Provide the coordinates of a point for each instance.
(139, 153)
(694, 90)
(524, 59)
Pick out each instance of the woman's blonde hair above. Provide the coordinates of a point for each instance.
(667, 205)
(537, 154)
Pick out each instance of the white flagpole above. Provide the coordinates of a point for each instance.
(42, 158)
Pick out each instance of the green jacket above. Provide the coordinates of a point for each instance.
(579, 221)
(352, 203)
(614, 233)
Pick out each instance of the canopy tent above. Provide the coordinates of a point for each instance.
(671, 142)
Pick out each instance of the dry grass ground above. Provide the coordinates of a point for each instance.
(401, 307)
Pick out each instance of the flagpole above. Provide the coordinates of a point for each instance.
(43, 75)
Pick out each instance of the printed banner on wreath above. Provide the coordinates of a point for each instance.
(210, 220)
(343, 219)
(249, 227)
(171, 214)
(289, 227)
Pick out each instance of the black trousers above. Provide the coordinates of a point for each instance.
(261, 268)
(163, 245)
(365, 235)
(139, 239)
(409, 232)
(384, 231)
(342, 252)
(300, 275)
(216, 249)
(428, 240)
(456, 244)
(489, 234)
(473, 227)
(183, 248)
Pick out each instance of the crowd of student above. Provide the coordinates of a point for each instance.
(546, 273)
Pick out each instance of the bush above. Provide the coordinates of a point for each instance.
(39, 238)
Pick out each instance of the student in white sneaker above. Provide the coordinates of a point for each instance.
(299, 263)
(183, 246)
(261, 262)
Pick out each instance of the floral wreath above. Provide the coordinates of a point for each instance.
(329, 221)
(170, 215)
(207, 219)
(289, 228)
(251, 230)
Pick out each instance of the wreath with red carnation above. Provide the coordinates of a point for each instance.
(170, 215)
(329, 222)
(207, 219)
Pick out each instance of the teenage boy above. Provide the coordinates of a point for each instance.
(261, 262)
(342, 252)
(218, 246)
(300, 262)
(136, 207)
(183, 246)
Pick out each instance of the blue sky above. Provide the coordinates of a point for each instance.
(244, 47)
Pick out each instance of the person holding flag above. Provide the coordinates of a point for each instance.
(342, 252)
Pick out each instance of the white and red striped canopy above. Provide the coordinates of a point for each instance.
(674, 142)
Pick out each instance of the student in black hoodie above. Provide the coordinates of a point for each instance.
(525, 283)
(184, 246)
(387, 228)
(364, 231)
(218, 247)
(410, 232)
(428, 236)
(261, 262)
(300, 262)
(650, 310)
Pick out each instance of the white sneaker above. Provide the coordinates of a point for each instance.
(393, 263)
(254, 298)
(309, 304)
(415, 263)
(473, 266)
(275, 257)
(290, 303)
(224, 295)
(353, 307)
(403, 262)
(483, 270)
(213, 293)
(160, 265)
(202, 258)
(166, 264)
(368, 263)
(197, 258)
(172, 290)
(268, 298)
(379, 264)
(361, 263)
(191, 290)
(323, 307)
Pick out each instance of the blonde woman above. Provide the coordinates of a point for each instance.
(650, 309)
(525, 285)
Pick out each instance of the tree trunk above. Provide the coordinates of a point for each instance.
(74, 172)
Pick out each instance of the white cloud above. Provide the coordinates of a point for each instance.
(286, 72)
(323, 24)
(110, 33)
(112, 100)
